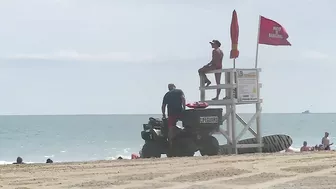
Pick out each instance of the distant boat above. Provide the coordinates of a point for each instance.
(306, 112)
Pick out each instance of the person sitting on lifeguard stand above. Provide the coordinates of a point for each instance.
(215, 64)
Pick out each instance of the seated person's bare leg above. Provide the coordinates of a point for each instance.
(201, 72)
(218, 78)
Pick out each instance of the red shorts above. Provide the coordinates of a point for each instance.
(218, 67)
(172, 119)
(212, 67)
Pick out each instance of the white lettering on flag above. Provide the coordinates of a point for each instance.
(276, 34)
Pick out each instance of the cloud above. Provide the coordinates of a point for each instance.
(67, 55)
(315, 55)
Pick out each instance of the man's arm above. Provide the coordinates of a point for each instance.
(183, 100)
(214, 58)
(164, 104)
(163, 108)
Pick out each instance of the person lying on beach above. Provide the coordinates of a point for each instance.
(135, 156)
(19, 160)
(305, 147)
(319, 147)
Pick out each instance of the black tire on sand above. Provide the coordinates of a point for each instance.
(151, 150)
(272, 143)
(210, 146)
(182, 147)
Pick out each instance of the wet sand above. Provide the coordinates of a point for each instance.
(311, 170)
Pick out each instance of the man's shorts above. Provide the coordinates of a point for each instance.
(212, 67)
(172, 120)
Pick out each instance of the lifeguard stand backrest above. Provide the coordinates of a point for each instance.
(209, 118)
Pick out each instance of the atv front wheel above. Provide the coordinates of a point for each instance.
(151, 150)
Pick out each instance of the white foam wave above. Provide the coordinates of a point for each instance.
(125, 153)
(291, 149)
(8, 162)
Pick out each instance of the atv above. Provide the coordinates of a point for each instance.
(198, 125)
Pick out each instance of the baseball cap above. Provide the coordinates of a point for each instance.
(171, 86)
(215, 42)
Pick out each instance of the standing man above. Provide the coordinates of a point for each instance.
(215, 64)
(175, 100)
(326, 141)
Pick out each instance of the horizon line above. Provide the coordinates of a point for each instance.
(141, 114)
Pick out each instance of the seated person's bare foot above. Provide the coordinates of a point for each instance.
(216, 98)
(225, 98)
(207, 83)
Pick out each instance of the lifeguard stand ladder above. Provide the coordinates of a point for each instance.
(241, 87)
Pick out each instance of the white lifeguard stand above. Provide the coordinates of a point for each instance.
(241, 87)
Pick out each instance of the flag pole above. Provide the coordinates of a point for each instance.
(257, 50)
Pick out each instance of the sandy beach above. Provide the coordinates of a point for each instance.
(272, 171)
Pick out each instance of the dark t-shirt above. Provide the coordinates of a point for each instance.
(173, 99)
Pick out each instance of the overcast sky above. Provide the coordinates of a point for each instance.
(109, 56)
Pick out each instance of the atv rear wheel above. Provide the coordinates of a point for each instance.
(182, 147)
(151, 150)
(210, 146)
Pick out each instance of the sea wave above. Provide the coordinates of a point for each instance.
(124, 154)
(128, 156)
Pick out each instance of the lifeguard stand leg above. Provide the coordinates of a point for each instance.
(233, 114)
(229, 124)
(258, 121)
(229, 128)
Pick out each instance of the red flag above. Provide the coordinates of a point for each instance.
(234, 35)
(272, 33)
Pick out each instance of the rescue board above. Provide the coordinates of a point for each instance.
(272, 143)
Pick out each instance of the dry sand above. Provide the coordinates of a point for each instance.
(272, 171)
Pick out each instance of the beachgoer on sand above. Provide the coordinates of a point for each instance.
(19, 160)
(305, 147)
(49, 161)
(215, 64)
(134, 156)
(175, 101)
(326, 141)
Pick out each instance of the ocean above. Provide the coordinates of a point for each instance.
(98, 137)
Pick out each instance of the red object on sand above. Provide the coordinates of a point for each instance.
(272, 33)
(196, 105)
(134, 156)
(234, 31)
